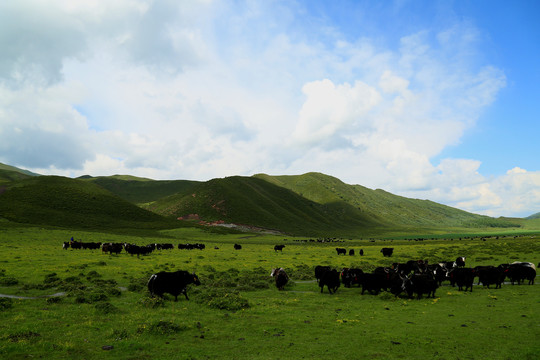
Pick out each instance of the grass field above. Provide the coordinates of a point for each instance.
(237, 313)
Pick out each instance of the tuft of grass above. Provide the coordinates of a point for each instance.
(106, 308)
(23, 336)
(5, 304)
(221, 298)
(151, 302)
(161, 327)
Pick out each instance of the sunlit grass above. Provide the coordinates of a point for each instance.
(298, 322)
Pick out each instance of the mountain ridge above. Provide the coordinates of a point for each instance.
(308, 204)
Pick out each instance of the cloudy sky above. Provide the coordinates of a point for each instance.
(427, 99)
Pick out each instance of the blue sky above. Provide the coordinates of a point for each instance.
(427, 99)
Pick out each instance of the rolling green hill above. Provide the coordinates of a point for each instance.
(16, 169)
(10, 173)
(311, 204)
(140, 190)
(534, 216)
(257, 202)
(376, 204)
(64, 202)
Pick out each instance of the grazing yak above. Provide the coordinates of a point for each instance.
(112, 248)
(463, 277)
(319, 271)
(237, 247)
(373, 282)
(279, 247)
(420, 284)
(281, 277)
(341, 251)
(519, 271)
(489, 275)
(351, 277)
(460, 261)
(173, 283)
(330, 279)
(387, 251)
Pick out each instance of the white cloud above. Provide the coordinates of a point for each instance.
(515, 194)
(196, 90)
(330, 109)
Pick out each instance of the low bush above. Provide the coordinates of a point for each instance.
(151, 302)
(54, 300)
(220, 298)
(22, 336)
(137, 284)
(5, 304)
(106, 308)
(8, 281)
(162, 328)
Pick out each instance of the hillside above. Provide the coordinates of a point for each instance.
(139, 190)
(60, 201)
(311, 204)
(16, 169)
(257, 202)
(11, 173)
(377, 204)
(534, 216)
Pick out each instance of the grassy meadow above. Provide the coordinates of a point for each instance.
(237, 313)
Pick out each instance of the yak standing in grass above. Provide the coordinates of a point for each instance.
(174, 283)
(330, 279)
(462, 277)
(420, 284)
(387, 251)
(351, 277)
(520, 271)
(319, 271)
(281, 278)
(489, 275)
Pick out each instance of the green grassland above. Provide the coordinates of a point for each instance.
(104, 309)
(237, 313)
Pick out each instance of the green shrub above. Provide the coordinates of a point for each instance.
(137, 284)
(151, 302)
(112, 291)
(5, 303)
(120, 334)
(54, 300)
(162, 328)
(80, 298)
(220, 298)
(22, 336)
(51, 279)
(8, 281)
(106, 308)
(97, 297)
(93, 275)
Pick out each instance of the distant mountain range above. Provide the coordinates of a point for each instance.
(312, 204)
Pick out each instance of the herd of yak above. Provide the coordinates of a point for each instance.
(420, 278)
(414, 277)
